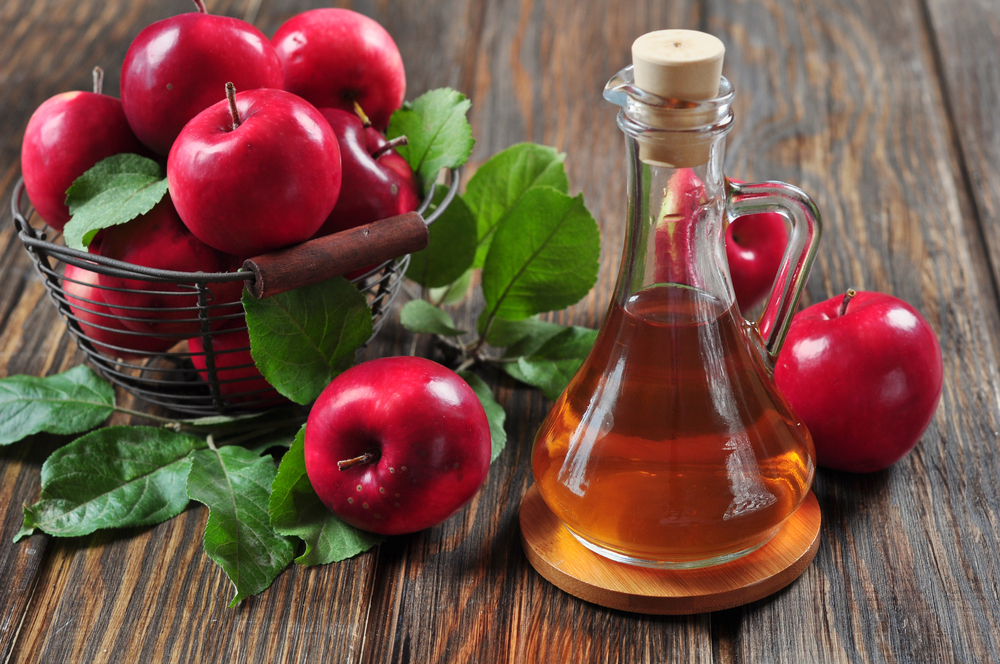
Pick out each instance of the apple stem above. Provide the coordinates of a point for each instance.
(391, 145)
(848, 296)
(98, 80)
(231, 96)
(200, 4)
(367, 457)
(361, 114)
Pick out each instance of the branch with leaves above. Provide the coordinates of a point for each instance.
(537, 248)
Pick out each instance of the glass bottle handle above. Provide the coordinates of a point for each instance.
(752, 198)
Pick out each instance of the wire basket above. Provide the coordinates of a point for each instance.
(197, 362)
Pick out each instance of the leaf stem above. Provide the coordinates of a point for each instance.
(148, 416)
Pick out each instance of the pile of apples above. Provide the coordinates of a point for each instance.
(266, 143)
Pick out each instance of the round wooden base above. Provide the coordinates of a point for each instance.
(569, 565)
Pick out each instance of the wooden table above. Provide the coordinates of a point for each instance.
(884, 111)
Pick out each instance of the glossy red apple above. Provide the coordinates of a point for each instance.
(255, 173)
(239, 379)
(160, 240)
(65, 137)
(335, 58)
(178, 67)
(106, 333)
(864, 374)
(755, 244)
(397, 444)
(377, 182)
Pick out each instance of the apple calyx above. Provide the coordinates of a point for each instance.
(231, 96)
(200, 4)
(848, 296)
(390, 145)
(98, 80)
(365, 122)
(366, 458)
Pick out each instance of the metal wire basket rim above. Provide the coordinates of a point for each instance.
(125, 270)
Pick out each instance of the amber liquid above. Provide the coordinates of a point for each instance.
(671, 447)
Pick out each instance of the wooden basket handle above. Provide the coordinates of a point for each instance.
(336, 254)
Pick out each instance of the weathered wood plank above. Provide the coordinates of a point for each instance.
(845, 100)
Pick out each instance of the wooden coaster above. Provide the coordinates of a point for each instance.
(569, 565)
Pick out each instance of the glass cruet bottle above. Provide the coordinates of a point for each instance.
(672, 447)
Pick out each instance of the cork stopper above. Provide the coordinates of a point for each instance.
(684, 65)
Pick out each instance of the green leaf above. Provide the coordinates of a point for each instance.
(451, 246)
(235, 485)
(553, 365)
(520, 337)
(116, 477)
(494, 412)
(114, 191)
(302, 339)
(438, 133)
(498, 185)
(423, 317)
(454, 292)
(71, 402)
(297, 511)
(543, 257)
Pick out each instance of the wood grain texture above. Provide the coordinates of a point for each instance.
(883, 111)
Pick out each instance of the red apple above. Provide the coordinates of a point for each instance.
(255, 173)
(672, 235)
(65, 136)
(107, 334)
(177, 67)
(864, 374)
(397, 444)
(335, 58)
(755, 244)
(239, 379)
(377, 182)
(160, 240)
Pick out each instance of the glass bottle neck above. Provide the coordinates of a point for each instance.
(676, 229)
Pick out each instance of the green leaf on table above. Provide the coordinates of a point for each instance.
(438, 133)
(497, 187)
(519, 337)
(235, 485)
(302, 339)
(297, 511)
(494, 412)
(454, 292)
(114, 191)
(551, 366)
(422, 317)
(543, 257)
(71, 402)
(450, 248)
(116, 477)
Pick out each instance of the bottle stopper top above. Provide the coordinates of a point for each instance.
(678, 64)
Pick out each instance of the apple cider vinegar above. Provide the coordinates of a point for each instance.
(668, 448)
(672, 446)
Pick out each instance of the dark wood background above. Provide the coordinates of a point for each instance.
(885, 111)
